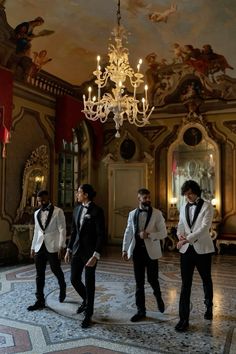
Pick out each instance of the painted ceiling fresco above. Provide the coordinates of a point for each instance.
(76, 31)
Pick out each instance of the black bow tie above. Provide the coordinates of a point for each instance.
(141, 210)
(46, 209)
(85, 206)
(191, 204)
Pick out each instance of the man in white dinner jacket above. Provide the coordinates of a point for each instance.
(145, 228)
(196, 248)
(48, 244)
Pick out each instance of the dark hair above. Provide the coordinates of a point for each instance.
(88, 189)
(42, 193)
(143, 191)
(194, 186)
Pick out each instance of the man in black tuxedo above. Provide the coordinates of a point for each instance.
(84, 248)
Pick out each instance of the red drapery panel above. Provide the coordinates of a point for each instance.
(68, 115)
(6, 104)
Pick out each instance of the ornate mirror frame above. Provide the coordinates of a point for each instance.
(197, 166)
(35, 177)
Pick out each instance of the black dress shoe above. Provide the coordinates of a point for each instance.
(62, 294)
(161, 305)
(139, 316)
(208, 314)
(81, 308)
(39, 305)
(86, 322)
(182, 326)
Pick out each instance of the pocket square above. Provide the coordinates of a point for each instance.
(87, 216)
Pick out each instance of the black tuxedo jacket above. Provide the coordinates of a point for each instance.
(88, 238)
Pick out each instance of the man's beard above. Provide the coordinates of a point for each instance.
(146, 204)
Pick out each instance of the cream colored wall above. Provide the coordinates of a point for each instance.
(220, 126)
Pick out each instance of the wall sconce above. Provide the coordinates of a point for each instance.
(173, 201)
(38, 183)
(173, 211)
(213, 202)
(39, 179)
(216, 214)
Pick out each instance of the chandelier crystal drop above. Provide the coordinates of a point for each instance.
(118, 104)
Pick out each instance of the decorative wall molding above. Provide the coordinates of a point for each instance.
(231, 125)
(152, 133)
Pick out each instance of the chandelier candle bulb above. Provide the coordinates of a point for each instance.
(98, 60)
(143, 100)
(139, 64)
(135, 91)
(146, 88)
(89, 91)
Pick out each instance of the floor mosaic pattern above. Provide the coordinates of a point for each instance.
(56, 329)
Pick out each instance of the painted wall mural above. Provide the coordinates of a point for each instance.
(174, 39)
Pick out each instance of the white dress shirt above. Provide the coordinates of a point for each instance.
(191, 212)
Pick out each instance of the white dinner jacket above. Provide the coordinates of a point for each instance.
(156, 229)
(54, 236)
(198, 235)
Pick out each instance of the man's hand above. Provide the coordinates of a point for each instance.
(91, 262)
(182, 237)
(143, 234)
(67, 257)
(124, 256)
(181, 243)
(32, 253)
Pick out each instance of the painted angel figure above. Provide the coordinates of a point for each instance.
(178, 53)
(24, 33)
(162, 16)
(38, 61)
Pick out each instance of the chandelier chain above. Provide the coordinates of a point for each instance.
(118, 14)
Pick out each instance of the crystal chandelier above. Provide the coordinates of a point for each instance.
(117, 104)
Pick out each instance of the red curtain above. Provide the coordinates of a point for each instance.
(6, 105)
(68, 115)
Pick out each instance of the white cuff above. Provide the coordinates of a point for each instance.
(97, 255)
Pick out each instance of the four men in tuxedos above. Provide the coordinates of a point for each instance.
(144, 231)
(196, 248)
(48, 244)
(145, 228)
(84, 248)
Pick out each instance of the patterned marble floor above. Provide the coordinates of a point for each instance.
(56, 329)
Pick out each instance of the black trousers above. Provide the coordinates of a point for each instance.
(41, 258)
(141, 262)
(188, 261)
(87, 291)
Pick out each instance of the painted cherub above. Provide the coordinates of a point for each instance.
(38, 61)
(179, 53)
(162, 16)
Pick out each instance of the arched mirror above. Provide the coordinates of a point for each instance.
(34, 178)
(193, 156)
